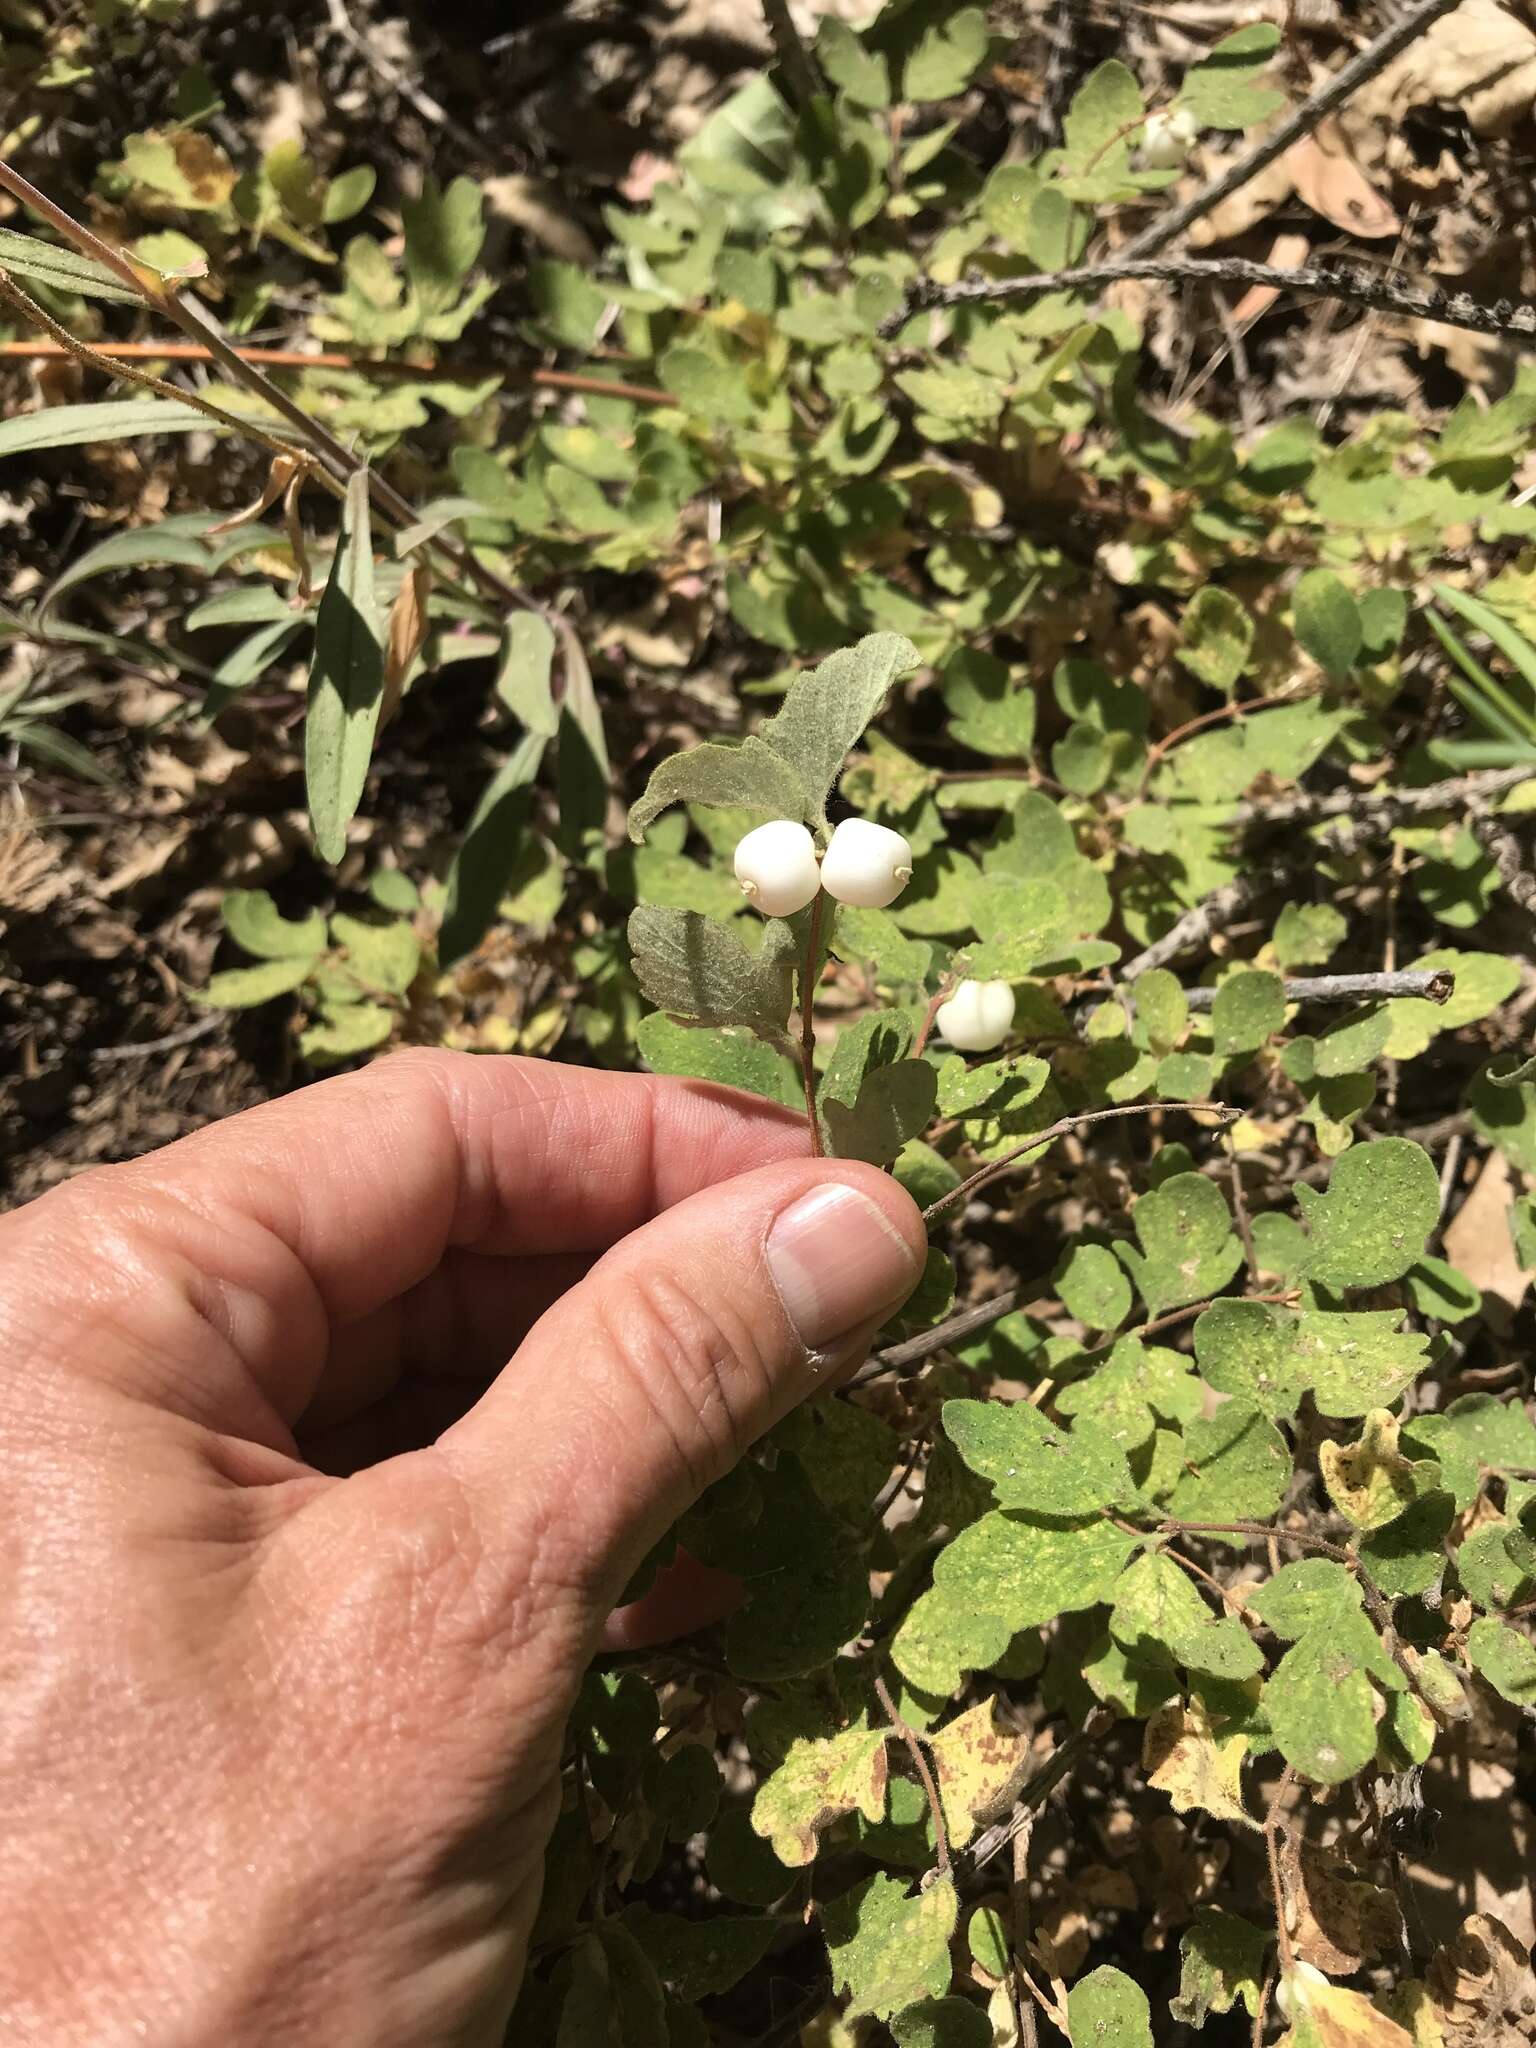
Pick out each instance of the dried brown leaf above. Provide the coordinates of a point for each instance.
(1330, 181)
(1479, 60)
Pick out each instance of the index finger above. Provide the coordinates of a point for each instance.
(371, 1177)
(287, 1221)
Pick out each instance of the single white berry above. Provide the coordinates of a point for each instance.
(1166, 138)
(867, 865)
(776, 867)
(1291, 1994)
(977, 1016)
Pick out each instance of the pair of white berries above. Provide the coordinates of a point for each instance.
(865, 864)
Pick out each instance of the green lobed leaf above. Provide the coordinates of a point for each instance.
(1236, 1467)
(346, 680)
(698, 1958)
(728, 1058)
(1187, 1244)
(994, 1089)
(1327, 622)
(942, 2023)
(893, 1105)
(384, 956)
(1474, 1432)
(1093, 1287)
(750, 777)
(941, 1638)
(1383, 1200)
(240, 988)
(826, 710)
(1319, 1703)
(887, 1948)
(257, 926)
(1271, 1356)
(1034, 1464)
(1222, 1960)
(1406, 1557)
(1217, 637)
(1107, 2009)
(1248, 1009)
(1308, 1595)
(988, 709)
(1222, 91)
(1028, 1572)
(345, 1031)
(1506, 1658)
(692, 967)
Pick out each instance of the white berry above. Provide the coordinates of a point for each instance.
(1292, 1992)
(1166, 138)
(867, 865)
(977, 1016)
(776, 867)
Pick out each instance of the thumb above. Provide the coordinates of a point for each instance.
(694, 1335)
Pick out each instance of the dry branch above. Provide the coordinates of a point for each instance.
(1355, 286)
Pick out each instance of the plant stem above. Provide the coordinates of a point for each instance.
(810, 973)
(67, 344)
(924, 1771)
(1351, 284)
(1351, 988)
(1276, 1882)
(333, 359)
(1059, 1129)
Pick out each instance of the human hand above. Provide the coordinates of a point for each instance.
(300, 1575)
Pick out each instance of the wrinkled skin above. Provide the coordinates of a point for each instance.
(329, 1438)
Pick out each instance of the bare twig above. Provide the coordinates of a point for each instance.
(172, 1042)
(1240, 1206)
(954, 1330)
(1272, 1830)
(1504, 850)
(1355, 286)
(1365, 64)
(1349, 988)
(64, 343)
(1384, 808)
(925, 1775)
(1059, 1129)
(1208, 916)
(111, 352)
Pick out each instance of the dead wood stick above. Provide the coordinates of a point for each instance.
(1349, 282)
(1348, 988)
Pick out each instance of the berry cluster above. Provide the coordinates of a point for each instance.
(868, 866)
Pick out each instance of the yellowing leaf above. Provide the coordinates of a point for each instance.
(1328, 2016)
(1370, 1481)
(820, 1779)
(1184, 1756)
(980, 1766)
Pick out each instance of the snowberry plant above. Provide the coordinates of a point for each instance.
(1098, 1643)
